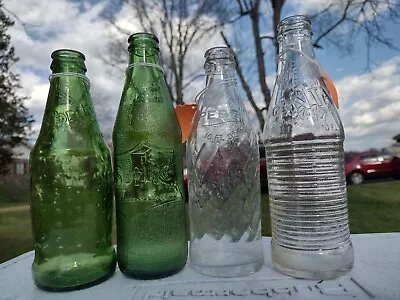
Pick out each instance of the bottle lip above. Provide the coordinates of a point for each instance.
(219, 52)
(68, 54)
(144, 36)
(296, 23)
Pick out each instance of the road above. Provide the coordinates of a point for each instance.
(14, 208)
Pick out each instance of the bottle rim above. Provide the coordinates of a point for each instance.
(294, 24)
(220, 52)
(68, 53)
(143, 36)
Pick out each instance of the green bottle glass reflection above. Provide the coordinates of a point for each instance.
(148, 169)
(71, 185)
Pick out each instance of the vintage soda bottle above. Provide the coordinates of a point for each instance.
(305, 164)
(149, 196)
(224, 176)
(71, 185)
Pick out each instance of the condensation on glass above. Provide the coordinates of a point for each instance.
(149, 194)
(71, 185)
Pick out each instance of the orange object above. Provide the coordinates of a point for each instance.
(331, 88)
(185, 115)
(186, 112)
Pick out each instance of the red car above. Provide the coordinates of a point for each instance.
(361, 166)
(263, 170)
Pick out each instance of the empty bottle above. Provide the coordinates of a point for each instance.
(151, 232)
(71, 185)
(224, 177)
(305, 164)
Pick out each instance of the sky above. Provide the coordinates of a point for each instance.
(369, 95)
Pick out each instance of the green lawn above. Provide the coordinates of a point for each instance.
(14, 193)
(372, 208)
(15, 234)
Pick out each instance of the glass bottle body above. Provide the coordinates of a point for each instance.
(305, 165)
(71, 186)
(150, 204)
(224, 183)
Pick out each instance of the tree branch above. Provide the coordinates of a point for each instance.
(267, 37)
(330, 29)
(259, 53)
(24, 25)
(246, 86)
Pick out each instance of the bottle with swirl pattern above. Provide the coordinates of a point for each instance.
(224, 176)
(150, 207)
(71, 185)
(305, 164)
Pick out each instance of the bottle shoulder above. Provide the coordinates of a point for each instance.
(53, 148)
(302, 109)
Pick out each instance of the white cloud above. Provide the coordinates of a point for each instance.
(304, 7)
(312, 6)
(370, 106)
(80, 30)
(65, 24)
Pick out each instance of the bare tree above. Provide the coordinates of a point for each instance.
(337, 24)
(180, 25)
(183, 24)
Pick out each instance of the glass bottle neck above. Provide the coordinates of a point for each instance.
(68, 61)
(144, 54)
(297, 41)
(219, 72)
(68, 67)
(293, 45)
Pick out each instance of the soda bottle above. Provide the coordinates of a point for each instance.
(71, 185)
(224, 176)
(305, 164)
(148, 169)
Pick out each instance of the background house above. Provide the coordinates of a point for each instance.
(19, 168)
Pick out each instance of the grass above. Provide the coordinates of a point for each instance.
(14, 193)
(15, 234)
(372, 208)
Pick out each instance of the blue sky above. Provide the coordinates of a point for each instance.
(369, 98)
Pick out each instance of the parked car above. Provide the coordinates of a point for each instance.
(362, 166)
(263, 169)
(263, 173)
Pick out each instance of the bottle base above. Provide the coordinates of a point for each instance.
(73, 272)
(76, 287)
(324, 264)
(229, 271)
(149, 276)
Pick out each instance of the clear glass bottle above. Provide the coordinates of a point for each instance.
(71, 185)
(149, 195)
(224, 177)
(305, 164)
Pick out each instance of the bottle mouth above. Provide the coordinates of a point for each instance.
(66, 60)
(143, 38)
(68, 54)
(294, 24)
(219, 53)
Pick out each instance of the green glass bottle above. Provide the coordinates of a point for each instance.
(71, 185)
(151, 239)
